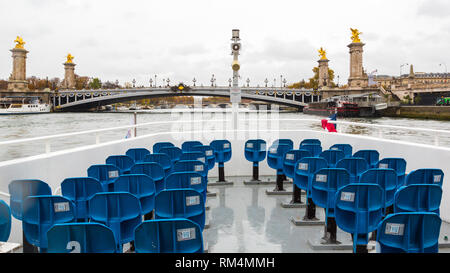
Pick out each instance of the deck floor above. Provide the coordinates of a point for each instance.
(244, 219)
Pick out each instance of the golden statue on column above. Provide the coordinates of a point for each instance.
(19, 42)
(322, 54)
(355, 35)
(70, 58)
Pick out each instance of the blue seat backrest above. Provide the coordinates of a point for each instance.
(19, 190)
(355, 166)
(418, 198)
(191, 166)
(140, 185)
(386, 178)
(310, 141)
(359, 210)
(276, 154)
(288, 142)
(81, 238)
(168, 236)
(425, 176)
(222, 150)
(187, 145)
(200, 156)
(123, 162)
(346, 148)
(208, 152)
(305, 170)
(120, 211)
(137, 154)
(174, 153)
(371, 156)
(41, 213)
(325, 184)
(106, 174)
(315, 149)
(187, 180)
(398, 164)
(332, 157)
(161, 159)
(255, 150)
(152, 169)
(181, 203)
(291, 157)
(79, 190)
(157, 146)
(409, 232)
(5, 221)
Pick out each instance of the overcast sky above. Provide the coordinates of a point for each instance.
(183, 39)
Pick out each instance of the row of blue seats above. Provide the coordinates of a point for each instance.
(106, 178)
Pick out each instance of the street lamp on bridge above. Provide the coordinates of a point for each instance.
(194, 80)
(155, 80)
(229, 82)
(168, 82)
(134, 83)
(212, 80)
(151, 81)
(284, 82)
(248, 82)
(266, 81)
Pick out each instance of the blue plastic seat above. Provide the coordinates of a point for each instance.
(325, 183)
(137, 154)
(161, 159)
(208, 152)
(409, 232)
(276, 155)
(222, 150)
(174, 153)
(19, 190)
(123, 162)
(187, 180)
(346, 148)
(140, 185)
(288, 142)
(81, 238)
(355, 166)
(200, 156)
(5, 221)
(169, 236)
(418, 198)
(106, 174)
(152, 169)
(291, 158)
(425, 176)
(305, 170)
(187, 145)
(181, 203)
(79, 190)
(41, 213)
(255, 150)
(398, 164)
(371, 156)
(359, 210)
(310, 141)
(157, 146)
(386, 178)
(120, 211)
(314, 149)
(332, 157)
(191, 166)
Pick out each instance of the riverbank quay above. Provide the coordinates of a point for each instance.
(420, 112)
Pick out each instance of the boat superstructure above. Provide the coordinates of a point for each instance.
(13, 105)
(242, 217)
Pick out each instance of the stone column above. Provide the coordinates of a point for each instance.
(69, 77)
(323, 73)
(18, 79)
(357, 76)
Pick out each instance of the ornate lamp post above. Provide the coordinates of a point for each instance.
(168, 82)
(229, 82)
(155, 80)
(194, 81)
(266, 81)
(284, 82)
(212, 80)
(151, 81)
(248, 82)
(134, 83)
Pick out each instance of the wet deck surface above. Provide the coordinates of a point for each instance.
(244, 219)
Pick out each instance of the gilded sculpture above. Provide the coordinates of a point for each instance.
(19, 42)
(355, 35)
(322, 54)
(70, 58)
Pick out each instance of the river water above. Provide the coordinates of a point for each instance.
(26, 126)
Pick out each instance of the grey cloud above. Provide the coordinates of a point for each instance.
(434, 8)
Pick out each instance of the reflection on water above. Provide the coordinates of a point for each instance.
(26, 126)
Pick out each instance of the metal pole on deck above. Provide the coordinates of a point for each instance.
(135, 123)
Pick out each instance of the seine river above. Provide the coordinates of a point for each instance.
(27, 126)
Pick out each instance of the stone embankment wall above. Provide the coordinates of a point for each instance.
(422, 112)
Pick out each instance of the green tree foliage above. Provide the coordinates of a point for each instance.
(313, 82)
(95, 83)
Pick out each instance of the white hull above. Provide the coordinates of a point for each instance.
(26, 109)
